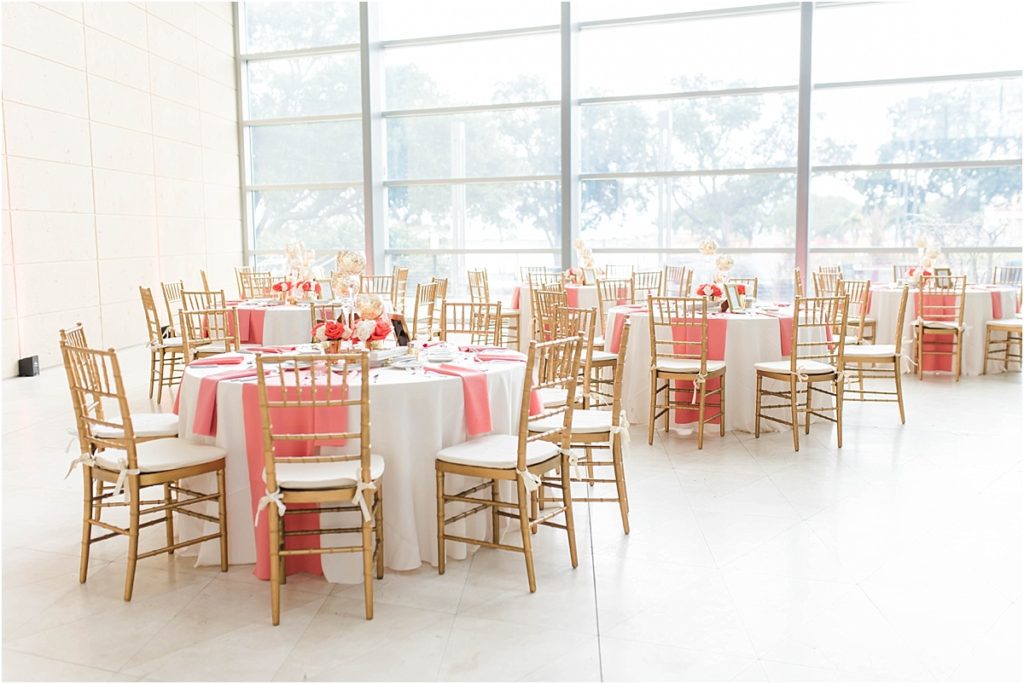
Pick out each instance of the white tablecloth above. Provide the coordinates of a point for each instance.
(586, 299)
(413, 417)
(284, 324)
(750, 339)
(978, 310)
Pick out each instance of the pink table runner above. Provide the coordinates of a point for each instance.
(205, 420)
(223, 360)
(250, 325)
(717, 328)
(619, 321)
(572, 295)
(475, 396)
(297, 420)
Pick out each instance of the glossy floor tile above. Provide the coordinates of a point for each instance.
(898, 557)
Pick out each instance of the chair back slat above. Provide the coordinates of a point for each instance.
(798, 283)
(643, 283)
(204, 327)
(424, 318)
(677, 281)
(255, 284)
(612, 292)
(618, 271)
(942, 298)
(1007, 275)
(549, 365)
(749, 285)
(479, 288)
(399, 287)
(193, 300)
(825, 282)
(859, 294)
(679, 329)
(901, 271)
(819, 331)
(545, 304)
(153, 328)
(480, 322)
(377, 284)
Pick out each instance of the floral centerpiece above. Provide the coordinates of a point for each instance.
(711, 290)
(349, 266)
(927, 258)
(373, 326)
(707, 247)
(574, 276)
(331, 334)
(585, 257)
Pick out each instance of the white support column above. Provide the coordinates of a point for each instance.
(374, 212)
(803, 148)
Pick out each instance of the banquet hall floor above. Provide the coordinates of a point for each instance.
(897, 557)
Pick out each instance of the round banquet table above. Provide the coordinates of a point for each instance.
(582, 296)
(982, 303)
(414, 415)
(750, 338)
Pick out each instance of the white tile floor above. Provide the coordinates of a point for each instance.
(898, 557)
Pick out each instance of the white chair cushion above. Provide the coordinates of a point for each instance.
(851, 340)
(325, 475)
(856, 321)
(163, 454)
(947, 325)
(496, 451)
(671, 365)
(1007, 322)
(145, 425)
(599, 342)
(169, 342)
(552, 397)
(603, 356)
(807, 367)
(583, 421)
(871, 350)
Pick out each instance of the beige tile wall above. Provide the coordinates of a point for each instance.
(120, 164)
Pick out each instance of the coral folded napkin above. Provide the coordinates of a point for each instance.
(218, 361)
(474, 394)
(500, 355)
(271, 350)
(205, 420)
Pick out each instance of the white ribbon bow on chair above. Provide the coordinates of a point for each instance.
(574, 461)
(622, 429)
(123, 471)
(530, 481)
(361, 500)
(83, 458)
(275, 497)
(697, 382)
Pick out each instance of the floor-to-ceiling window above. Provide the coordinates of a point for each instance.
(302, 113)
(688, 130)
(916, 132)
(471, 134)
(684, 125)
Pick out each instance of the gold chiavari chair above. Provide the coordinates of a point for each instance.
(599, 365)
(677, 281)
(901, 272)
(480, 293)
(255, 284)
(834, 270)
(940, 316)
(321, 313)
(798, 283)
(859, 294)
(172, 300)
(878, 362)
(1002, 349)
(679, 352)
(193, 300)
(202, 276)
(164, 353)
(239, 270)
(206, 332)
(618, 272)
(480, 322)
(546, 281)
(382, 285)
(349, 482)
(424, 318)
(440, 296)
(825, 283)
(114, 452)
(399, 288)
(612, 292)
(526, 271)
(1007, 275)
(816, 356)
(749, 285)
(146, 425)
(593, 429)
(545, 313)
(523, 458)
(643, 283)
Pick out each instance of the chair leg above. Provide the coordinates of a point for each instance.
(152, 372)
(958, 340)
(654, 399)
(721, 406)
(222, 513)
(132, 486)
(919, 348)
(839, 411)
(700, 415)
(378, 528)
(169, 517)
(589, 451)
(368, 567)
(808, 408)
(274, 525)
(620, 481)
(440, 522)
(570, 522)
(897, 375)
(87, 509)
(988, 343)
(757, 408)
(793, 413)
(524, 529)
